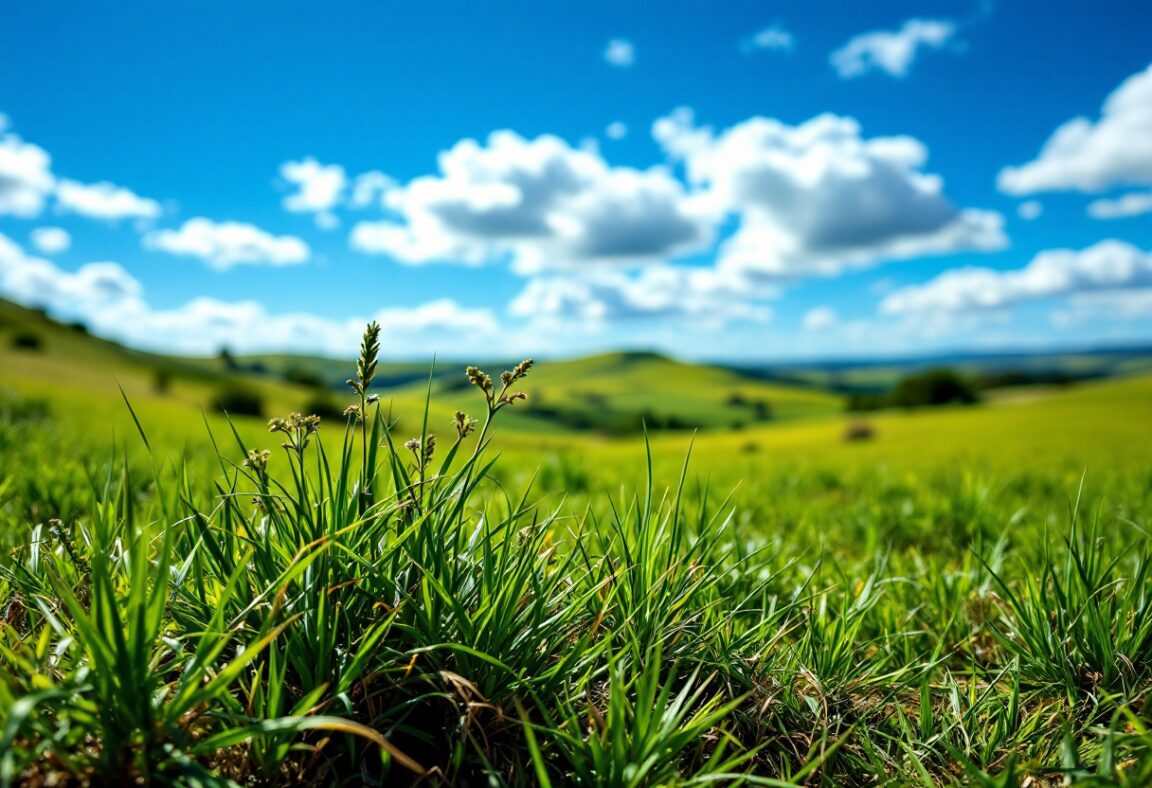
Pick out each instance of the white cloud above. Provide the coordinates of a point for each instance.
(225, 244)
(36, 281)
(819, 318)
(1091, 157)
(1131, 204)
(771, 38)
(51, 240)
(891, 51)
(1029, 210)
(601, 296)
(1114, 305)
(616, 131)
(26, 177)
(620, 53)
(111, 302)
(1106, 266)
(818, 198)
(540, 203)
(104, 201)
(319, 187)
(371, 188)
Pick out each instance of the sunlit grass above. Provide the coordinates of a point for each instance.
(955, 600)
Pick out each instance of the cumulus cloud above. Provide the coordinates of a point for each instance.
(819, 318)
(1131, 204)
(1106, 266)
(1029, 210)
(1093, 156)
(112, 303)
(654, 292)
(371, 188)
(318, 189)
(26, 177)
(51, 240)
(892, 52)
(620, 53)
(540, 203)
(775, 38)
(33, 280)
(224, 244)
(818, 198)
(105, 201)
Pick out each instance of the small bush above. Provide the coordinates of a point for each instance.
(325, 407)
(305, 377)
(161, 381)
(934, 387)
(27, 340)
(238, 400)
(859, 431)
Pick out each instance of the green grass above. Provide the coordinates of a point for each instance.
(964, 598)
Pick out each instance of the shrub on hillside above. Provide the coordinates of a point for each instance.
(305, 377)
(325, 407)
(934, 387)
(27, 340)
(237, 399)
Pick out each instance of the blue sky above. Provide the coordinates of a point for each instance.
(746, 180)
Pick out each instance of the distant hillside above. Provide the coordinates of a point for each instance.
(987, 369)
(608, 394)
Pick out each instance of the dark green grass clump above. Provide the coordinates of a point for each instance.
(371, 607)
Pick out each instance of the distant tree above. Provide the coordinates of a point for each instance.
(238, 400)
(227, 359)
(326, 407)
(304, 377)
(161, 381)
(865, 400)
(859, 431)
(27, 340)
(762, 410)
(736, 400)
(935, 387)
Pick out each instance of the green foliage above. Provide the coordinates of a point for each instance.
(27, 340)
(238, 399)
(933, 387)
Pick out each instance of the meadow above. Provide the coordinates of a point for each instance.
(452, 585)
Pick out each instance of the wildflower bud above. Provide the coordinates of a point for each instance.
(372, 400)
(463, 424)
(521, 369)
(480, 379)
(354, 410)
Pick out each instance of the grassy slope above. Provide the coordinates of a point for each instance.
(863, 679)
(76, 367)
(1100, 424)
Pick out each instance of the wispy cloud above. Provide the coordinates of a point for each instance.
(773, 38)
(1131, 204)
(891, 51)
(620, 53)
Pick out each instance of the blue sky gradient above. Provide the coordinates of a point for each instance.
(195, 108)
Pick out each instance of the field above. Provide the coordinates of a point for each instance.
(552, 596)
